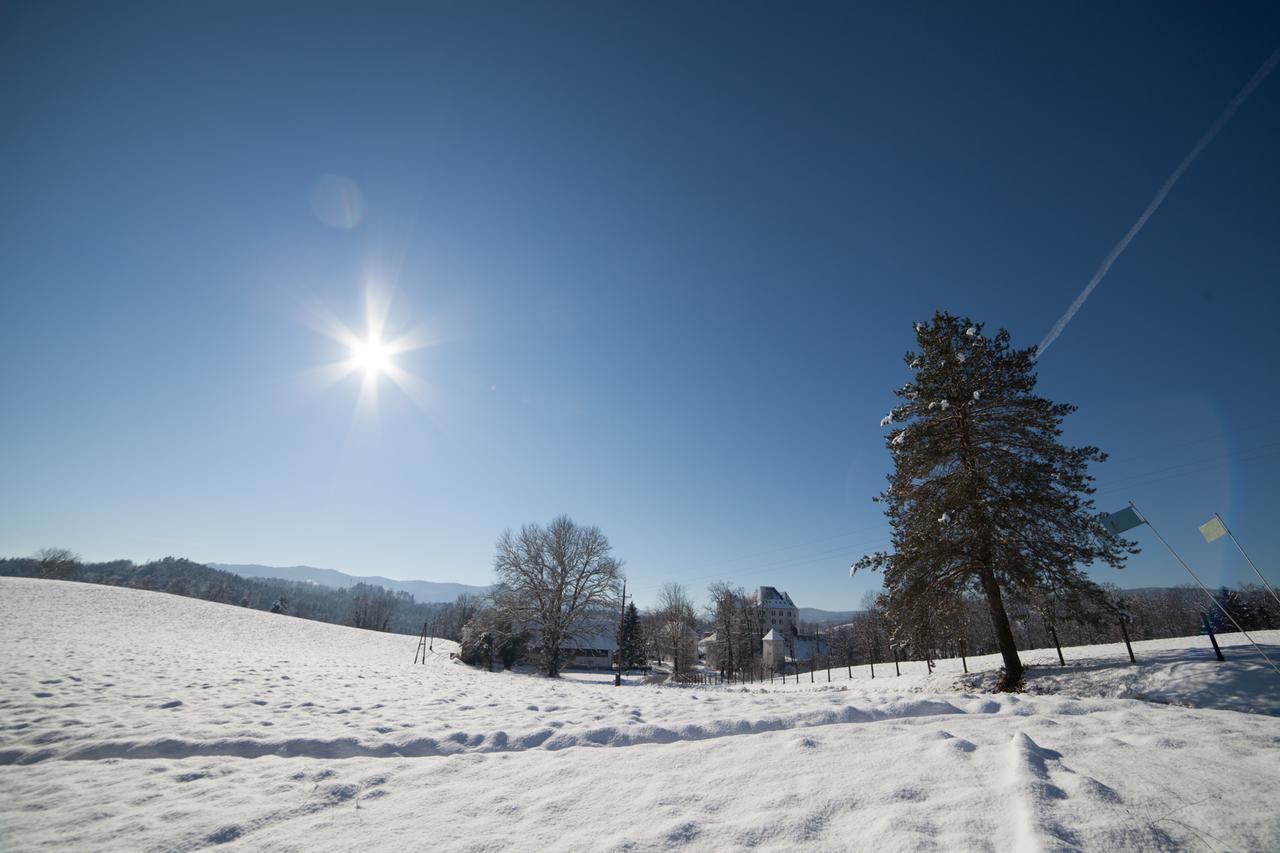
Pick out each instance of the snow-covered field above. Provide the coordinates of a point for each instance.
(143, 721)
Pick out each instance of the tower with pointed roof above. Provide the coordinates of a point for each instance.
(775, 650)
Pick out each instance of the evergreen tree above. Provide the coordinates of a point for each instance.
(1238, 607)
(984, 496)
(632, 640)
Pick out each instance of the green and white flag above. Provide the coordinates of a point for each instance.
(1213, 529)
(1119, 522)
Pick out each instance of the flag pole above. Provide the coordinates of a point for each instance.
(1199, 583)
(1244, 554)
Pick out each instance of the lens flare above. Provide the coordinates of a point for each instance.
(372, 355)
(337, 201)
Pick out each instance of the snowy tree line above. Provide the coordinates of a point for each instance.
(668, 633)
(362, 605)
(965, 627)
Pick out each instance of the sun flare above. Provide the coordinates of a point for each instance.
(371, 356)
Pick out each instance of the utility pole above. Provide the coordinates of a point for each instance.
(622, 628)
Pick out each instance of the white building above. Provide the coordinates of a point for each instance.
(773, 618)
(774, 650)
(775, 609)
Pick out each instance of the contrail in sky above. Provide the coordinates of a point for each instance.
(1119, 248)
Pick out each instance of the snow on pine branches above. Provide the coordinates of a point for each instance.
(984, 497)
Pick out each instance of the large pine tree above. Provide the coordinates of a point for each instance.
(984, 496)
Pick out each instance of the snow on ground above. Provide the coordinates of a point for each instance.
(143, 721)
(1179, 671)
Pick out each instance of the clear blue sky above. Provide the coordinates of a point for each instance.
(669, 255)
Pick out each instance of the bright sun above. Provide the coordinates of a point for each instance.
(371, 356)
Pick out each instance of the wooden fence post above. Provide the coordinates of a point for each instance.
(1124, 632)
(1054, 633)
(1209, 627)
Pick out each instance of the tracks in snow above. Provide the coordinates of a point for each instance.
(545, 738)
(1043, 792)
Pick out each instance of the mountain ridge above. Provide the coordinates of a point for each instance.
(422, 591)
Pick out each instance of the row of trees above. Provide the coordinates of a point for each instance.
(1148, 614)
(877, 634)
(560, 587)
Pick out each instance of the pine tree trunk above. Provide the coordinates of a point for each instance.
(1004, 633)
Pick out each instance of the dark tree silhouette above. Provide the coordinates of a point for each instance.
(983, 494)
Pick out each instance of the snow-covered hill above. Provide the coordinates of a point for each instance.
(133, 720)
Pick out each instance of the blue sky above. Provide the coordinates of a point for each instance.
(669, 257)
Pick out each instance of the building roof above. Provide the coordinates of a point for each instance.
(597, 631)
(591, 642)
(772, 635)
(770, 597)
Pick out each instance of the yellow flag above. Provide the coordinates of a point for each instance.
(1213, 529)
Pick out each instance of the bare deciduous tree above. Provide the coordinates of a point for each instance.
(553, 579)
(679, 627)
(56, 562)
(734, 625)
(373, 607)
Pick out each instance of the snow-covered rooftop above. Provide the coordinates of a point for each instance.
(769, 596)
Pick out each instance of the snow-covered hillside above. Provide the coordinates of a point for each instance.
(133, 720)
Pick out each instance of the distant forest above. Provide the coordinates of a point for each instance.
(362, 605)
